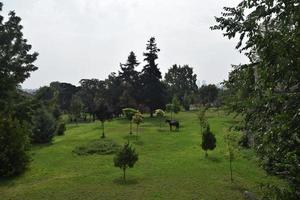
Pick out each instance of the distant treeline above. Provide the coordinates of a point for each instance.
(144, 90)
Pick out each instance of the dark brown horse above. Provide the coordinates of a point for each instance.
(173, 123)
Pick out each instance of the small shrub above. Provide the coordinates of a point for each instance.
(100, 146)
(126, 157)
(44, 126)
(60, 129)
(208, 140)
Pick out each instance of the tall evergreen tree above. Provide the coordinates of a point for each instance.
(153, 90)
(130, 82)
(128, 74)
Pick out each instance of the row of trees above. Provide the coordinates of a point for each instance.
(145, 90)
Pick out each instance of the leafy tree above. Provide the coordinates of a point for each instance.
(15, 111)
(266, 91)
(181, 81)
(174, 107)
(65, 92)
(186, 102)
(125, 158)
(129, 113)
(114, 92)
(231, 140)
(159, 113)
(44, 126)
(103, 113)
(137, 119)
(153, 89)
(208, 140)
(127, 100)
(76, 107)
(15, 58)
(47, 95)
(88, 91)
(14, 144)
(202, 118)
(208, 94)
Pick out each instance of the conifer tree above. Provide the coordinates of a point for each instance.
(153, 89)
(208, 140)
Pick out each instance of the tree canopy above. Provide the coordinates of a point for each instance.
(267, 90)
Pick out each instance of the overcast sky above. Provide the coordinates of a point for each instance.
(89, 38)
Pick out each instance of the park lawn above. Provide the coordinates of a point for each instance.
(171, 165)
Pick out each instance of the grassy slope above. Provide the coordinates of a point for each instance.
(170, 166)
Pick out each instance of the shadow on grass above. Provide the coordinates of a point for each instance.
(214, 159)
(163, 130)
(138, 142)
(130, 137)
(120, 181)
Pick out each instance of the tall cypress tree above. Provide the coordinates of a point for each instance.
(153, 90)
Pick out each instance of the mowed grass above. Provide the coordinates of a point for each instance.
(171, 165)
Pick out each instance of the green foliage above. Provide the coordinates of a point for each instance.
(153, 90)
(159, 113)
(181, 81)
(101, 147)
(43, 126)
(129, 113)
(15, 57)
(137, 119)
(232, 139)
(202, 119)
(208, 94)
(130, 82)
(267, 91)
(186, 102)
(125, 158)
(173, 107)
(65, 93)
(76, 107)
(60, 129)
(208, 140)
(13, 147)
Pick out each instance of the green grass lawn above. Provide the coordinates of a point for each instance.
(171, 165)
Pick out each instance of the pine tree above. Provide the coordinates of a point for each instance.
(153, 90)
(208, 140)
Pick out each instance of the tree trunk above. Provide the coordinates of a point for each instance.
(137, 131)
(103, 134)
(230, 160)
(130, 128)
(124, 177)
(206, 154)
